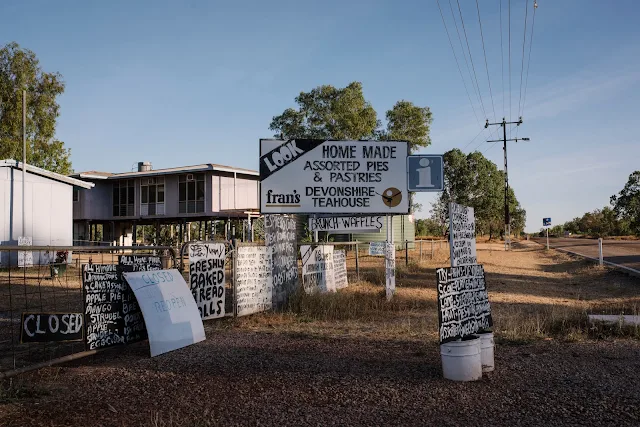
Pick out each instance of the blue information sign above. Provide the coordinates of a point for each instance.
(425, 172)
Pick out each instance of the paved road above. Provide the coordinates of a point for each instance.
(625, 253)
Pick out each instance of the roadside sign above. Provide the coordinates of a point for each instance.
(304, 176)
(425, 172)
(346, 224)
(546, 222)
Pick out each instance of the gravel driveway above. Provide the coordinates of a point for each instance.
(238, 377)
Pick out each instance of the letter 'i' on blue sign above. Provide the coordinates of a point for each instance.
(425, 172)
(546, 222)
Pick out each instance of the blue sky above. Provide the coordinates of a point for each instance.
(185, 82)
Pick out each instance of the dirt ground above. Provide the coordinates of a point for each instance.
(355, 359)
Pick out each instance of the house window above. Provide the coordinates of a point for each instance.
(123, 198)
(152, 196)
(191, 193)
(76, 194)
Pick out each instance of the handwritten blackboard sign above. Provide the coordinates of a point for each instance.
(462, 229)
(132, 263)
(280, 238)
(318, 274)
(463, 302)
(103, 291)
(206, 278)
(253, 280)
(340, 268)
(47, 327)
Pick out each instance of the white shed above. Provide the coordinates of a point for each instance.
(48, 208)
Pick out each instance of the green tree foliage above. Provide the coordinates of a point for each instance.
(627, 202)
(327, 112)
(20, 70)
(428, 227)
(473, 180)
(603, 222)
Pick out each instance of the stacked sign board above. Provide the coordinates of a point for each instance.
(206, 278)
(463, 302)
(253, 280)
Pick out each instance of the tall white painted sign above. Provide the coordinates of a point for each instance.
(25, 258)
(206, 278)
(254, 281)
(390, 269)
(337, 177)
(462, 232)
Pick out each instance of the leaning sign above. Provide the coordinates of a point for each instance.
(338, 177)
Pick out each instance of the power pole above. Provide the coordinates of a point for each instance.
(507, 216)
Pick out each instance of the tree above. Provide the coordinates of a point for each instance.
(473, 180)
(328, 113)
(626, 203)
(20, 70)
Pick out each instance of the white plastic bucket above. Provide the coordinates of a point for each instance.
(461, 360)
(486, 351)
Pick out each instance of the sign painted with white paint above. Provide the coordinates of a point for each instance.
(346, 224)
(317, 268)
(340, 268)
(390, 269)
(25, 258)
(338, 177)
(463, 302)
(170, 312)
(377, 248)
(462, 231)
(206, 278)
(254, 283)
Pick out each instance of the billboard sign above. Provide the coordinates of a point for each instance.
(306, 176)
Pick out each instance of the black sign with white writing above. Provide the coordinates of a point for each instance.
(280, 236)
(463, 302)
(46, 327)
(134, 327)
(284, 154)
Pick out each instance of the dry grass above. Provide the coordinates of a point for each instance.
(534, 294)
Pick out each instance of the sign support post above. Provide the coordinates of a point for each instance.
(547, 238)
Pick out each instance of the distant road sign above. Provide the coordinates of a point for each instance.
(546, 222)
(425, 172)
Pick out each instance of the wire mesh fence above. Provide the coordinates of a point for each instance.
(52, 284)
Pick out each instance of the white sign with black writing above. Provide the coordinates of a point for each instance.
(25, 258)
(340, 268)
(337, 177)
(317, 268)
(206, 278)
(377, 248)
(390, 269)
(254, 284)
(463, 302)
(346, 224)
(462, 229)
(170, 312)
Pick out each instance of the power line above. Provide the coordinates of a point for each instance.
(509, 65)
(474, 138)
(501, 58)
(524, 41)
(485, 60)
(475, 87)
(526, 82)
(488, 136)
(457, 63)
(494, 144)
(471, 57)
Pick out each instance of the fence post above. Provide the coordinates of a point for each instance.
(601, 258)
(406, 253)
(431, 249)
(357, 262)
(420, 250)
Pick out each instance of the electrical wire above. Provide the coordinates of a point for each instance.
(502, 58)
(524, 41)
(471, 57)
(475, 87)
(474, 138)
(526, 81)
(491, 135)
(494, 144)
(485, 60)
(458, 64)
(510, 65)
